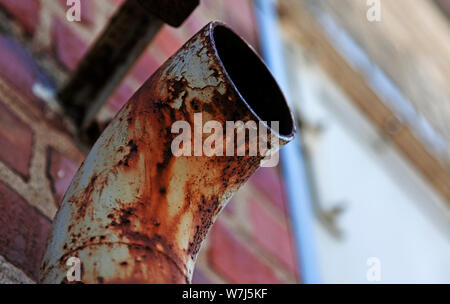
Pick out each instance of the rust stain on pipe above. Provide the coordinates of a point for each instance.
(134, 212)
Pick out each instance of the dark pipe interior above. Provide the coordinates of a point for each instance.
(252, 79)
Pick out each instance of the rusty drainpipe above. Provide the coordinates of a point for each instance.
(135, 213)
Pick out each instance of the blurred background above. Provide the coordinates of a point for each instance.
(361, 196)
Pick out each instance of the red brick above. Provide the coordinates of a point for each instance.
(16, 140)
(87, 10)
(273, 236)
(68, 46)
(200, 278)
(167, 41)
(268, 182)
(230, 207)
(232, 260)
(240, 16)
(23, 232)
(26, 12)
(194, 23)
(117, 2)
(211, 5)
(145, 67)
(120, 96)
(60, 170)
(18, 68)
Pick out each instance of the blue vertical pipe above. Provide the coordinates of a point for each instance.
(292, 159)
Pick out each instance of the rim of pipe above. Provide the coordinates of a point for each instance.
(252, 80)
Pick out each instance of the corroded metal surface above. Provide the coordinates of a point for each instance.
(136, 213)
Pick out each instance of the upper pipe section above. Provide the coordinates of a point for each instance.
(134, 211)
(173, 12)
(113, 54)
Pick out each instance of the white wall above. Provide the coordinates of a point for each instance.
(391, 213)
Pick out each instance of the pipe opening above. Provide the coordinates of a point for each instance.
(252, 79)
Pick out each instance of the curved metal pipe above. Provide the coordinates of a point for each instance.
(135, 212)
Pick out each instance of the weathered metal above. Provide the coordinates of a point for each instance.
(135, 213)
(113, 54)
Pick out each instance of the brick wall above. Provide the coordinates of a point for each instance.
(250, 243)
